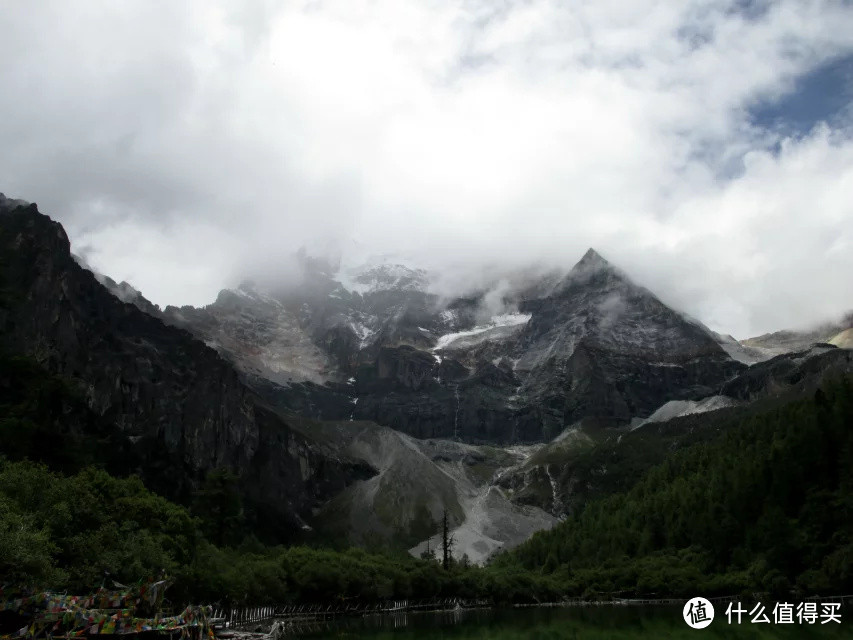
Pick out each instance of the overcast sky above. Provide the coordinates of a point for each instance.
(704, 147)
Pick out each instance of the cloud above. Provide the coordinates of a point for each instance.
(186, 145)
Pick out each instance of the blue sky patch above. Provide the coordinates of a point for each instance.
(822, 95)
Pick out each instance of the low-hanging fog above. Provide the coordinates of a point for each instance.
(705, 147)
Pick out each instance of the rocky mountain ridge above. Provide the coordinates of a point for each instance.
(377, 345)
(176, 410)
(173, 401)
(364, 410)
(575, 465)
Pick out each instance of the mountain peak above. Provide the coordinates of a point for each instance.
(11, 203)
(592, 259)
(593, 266)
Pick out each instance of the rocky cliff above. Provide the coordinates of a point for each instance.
(513, 364)
(605, 348)
(574, 363)
(581, 463)
(179, 406)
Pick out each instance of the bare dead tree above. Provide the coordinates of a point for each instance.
(447, 541)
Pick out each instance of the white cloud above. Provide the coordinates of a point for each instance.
(481, 132)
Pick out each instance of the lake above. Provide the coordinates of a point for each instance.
(558, 623)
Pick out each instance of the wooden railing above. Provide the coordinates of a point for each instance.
(239, 617)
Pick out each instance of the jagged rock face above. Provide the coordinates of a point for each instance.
(601, 306)
(589, 344)
(181, 405)
(124, 291)
(405, 366)
(375, 344)
(603, 347)
(597, 347)
(582, 463)
(544, 478)
(259, 334)
(318, 331)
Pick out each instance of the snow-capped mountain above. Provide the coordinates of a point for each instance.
(604, 347)
(371, 279)
(515, 362)
(416, 389)
(317, 331)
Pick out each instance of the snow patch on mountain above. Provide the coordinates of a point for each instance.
(369, 279)
(678, 408)
(362, 332)
(248, 291)
(498, 327)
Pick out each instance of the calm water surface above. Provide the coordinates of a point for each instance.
(593, 623)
